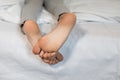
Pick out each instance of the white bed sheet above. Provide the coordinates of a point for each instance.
(96, 10)
(92, 52)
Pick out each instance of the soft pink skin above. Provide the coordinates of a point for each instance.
(47, 46)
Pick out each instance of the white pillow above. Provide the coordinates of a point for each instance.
(10, 10)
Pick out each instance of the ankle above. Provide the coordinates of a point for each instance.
(67, 19)
(27, 25)
(69, 16)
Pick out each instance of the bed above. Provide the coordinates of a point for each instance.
(92, 51)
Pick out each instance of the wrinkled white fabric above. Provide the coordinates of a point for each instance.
(10, 10)
(91, 52)
(86, 10)
(96, 10)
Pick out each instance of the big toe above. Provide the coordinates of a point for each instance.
(36, 49)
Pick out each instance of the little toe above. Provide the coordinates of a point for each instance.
(59, 57)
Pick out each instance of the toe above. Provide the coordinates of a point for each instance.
(36, 49)
(46, 55)
(49, 55)
(52, 54)
(46, 61)
(53, 61)
(59, 57)
(42, 54)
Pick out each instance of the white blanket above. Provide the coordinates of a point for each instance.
(10, 10)
(92, 52)
(107, 11)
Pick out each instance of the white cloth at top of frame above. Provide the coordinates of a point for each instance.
(10, 10)
(86, 10)
(96, 10)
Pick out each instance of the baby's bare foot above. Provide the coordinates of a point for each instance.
(50, 58)
(53, 41)
(33, 34)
